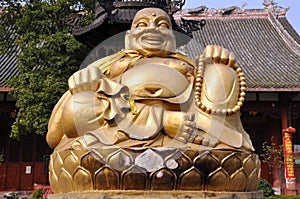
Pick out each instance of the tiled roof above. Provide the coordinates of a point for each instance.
(289, 28)
(266, 46)
(8, 67)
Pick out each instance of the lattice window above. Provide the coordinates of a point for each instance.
(3, 134)
(5, 126)
(41, 149)
(3, 143)
(14, 150)
(27, 148)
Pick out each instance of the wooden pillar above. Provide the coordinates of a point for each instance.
(290, 179)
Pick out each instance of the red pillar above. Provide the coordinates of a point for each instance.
(290, 179)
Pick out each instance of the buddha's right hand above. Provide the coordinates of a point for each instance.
(86, 79)
(218, 54)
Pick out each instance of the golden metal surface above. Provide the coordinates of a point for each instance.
(148, 118)
(123, 169)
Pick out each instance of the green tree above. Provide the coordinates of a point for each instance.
(42, 32)
(272, 155)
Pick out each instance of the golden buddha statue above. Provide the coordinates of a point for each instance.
(149, 96)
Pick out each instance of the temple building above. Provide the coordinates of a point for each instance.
(24, 160)
(266, 46)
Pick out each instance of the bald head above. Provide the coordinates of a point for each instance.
(151, 32)
(155, 15)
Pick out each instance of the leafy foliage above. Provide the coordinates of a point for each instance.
(272, 154)
(38, 193)
(41, 31)
(266, 187)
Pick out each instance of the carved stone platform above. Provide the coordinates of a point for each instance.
(158, 194)
(144, 169)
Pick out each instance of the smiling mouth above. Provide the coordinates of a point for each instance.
(152, 39)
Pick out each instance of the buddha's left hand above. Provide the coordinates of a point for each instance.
(190, 133)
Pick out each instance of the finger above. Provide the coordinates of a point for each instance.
(224, 56)
(185, 135)
(85, 78)
(208, 52)
(232, 59)
(198, 139)
(78, 81)
(189, 116)
(217, 53)
(182, 139)
(205, 142)
(191, 139)
(71, 84)
(189, 124)
(95, 75)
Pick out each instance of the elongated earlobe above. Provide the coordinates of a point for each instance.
(127, 43)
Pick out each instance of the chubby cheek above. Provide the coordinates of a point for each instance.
(170, 44)
(169, 38)
(135, 38)
(136, 33)
(167, 34)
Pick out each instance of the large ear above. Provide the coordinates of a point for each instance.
(127, 39)
(174, 42)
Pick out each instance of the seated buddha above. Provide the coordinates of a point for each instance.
(151, 95)
(148, 118)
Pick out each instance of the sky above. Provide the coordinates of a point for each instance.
(293, 14)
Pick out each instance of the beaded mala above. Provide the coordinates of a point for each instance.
(198, 88)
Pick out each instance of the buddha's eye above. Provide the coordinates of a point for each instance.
(163, 25)
(141, 25)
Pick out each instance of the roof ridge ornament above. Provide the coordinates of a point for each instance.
(274, 8)
(205, 11)
(190, 25)
(170, 6)
(269, 3)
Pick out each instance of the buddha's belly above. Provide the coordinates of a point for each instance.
(154, 80)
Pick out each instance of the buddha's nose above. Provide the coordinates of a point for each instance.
(152, 25)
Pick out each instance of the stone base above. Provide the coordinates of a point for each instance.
(116, 194)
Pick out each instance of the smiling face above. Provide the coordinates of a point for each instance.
(151, 32)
